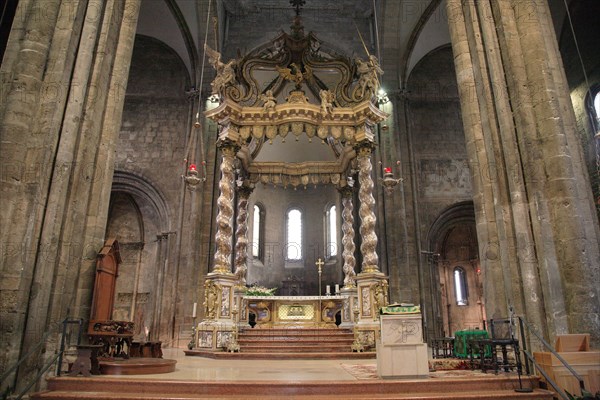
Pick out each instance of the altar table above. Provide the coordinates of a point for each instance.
(273, 311)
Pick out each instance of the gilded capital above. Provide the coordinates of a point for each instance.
(364, 148)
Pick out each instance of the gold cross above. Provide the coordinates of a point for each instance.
(319, 264)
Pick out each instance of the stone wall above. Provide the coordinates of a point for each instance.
(586, 24)
(274, 268)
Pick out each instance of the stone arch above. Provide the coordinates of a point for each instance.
(452, 241)
(138, 217)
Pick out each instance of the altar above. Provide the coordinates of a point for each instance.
(283, 311)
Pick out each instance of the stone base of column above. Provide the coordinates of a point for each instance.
(350, 304)
(217, 329)
(372, 294)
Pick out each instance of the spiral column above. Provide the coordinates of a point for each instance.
(348, 238)
(241, 235)
(224, 235)
(367, 215)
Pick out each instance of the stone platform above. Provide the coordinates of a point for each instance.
(137, 366)
(290, 343)
(451, 388)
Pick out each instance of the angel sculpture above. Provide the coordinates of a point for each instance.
(368, 80)
(225, 71)
(326, 101)
(295, 74)
(269, 101)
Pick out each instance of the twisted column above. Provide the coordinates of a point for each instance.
(367, 215)
(224, 236)
(241, 236)
(348, 239)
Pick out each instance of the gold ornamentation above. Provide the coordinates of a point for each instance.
(211, 299)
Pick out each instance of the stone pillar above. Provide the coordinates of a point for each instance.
(536, 223)
(219, 286)
(67, 68)
(348, 238)
(241, 236)
(224, 236)
(368, 246)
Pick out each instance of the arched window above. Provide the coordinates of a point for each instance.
(294, 235)
(593, 107)
(257, 232)
(460, 286)
(331, 243)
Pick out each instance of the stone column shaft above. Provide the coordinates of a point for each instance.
(241, 235)
(368, 246)
(536, 224)
(224, 236)
(348, 239)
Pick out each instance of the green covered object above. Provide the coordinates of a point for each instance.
(396, 309)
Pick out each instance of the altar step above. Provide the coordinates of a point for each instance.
(291, 343)
(296, 340)
(491, 388)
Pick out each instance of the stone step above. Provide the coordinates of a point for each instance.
(285, 342)
(495, 395)
(303, 331)
(295, 339)
(245, 355)
(492, 387)
(295, 349)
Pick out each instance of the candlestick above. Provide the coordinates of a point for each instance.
(194, 310)
(337, 288)
(327, 289)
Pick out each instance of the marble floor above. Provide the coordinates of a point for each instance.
(202, 369)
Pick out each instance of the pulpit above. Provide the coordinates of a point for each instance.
(401, 352)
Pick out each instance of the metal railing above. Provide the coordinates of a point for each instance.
(559, 391)
(58, 356)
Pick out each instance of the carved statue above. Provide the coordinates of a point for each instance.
(225, 71)
(295, 74)
(326, 101)
(368, 77)
(269, 101)
(379, 294)
(211, 297)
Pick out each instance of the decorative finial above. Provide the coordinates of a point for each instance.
(297, 4)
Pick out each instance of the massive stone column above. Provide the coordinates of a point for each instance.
(241, 236)
(65, 72)
(536, 225)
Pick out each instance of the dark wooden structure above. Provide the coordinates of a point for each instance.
(114, 336)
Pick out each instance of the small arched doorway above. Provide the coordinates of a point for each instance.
(456, 270)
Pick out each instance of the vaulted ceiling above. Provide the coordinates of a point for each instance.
(401, 32)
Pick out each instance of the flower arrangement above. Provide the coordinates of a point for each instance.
(256, 290)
